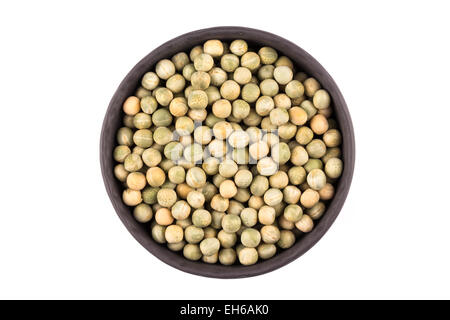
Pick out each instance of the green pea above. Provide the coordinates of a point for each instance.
(162, 118)
(142, 121)
(149, 104)
(266, 250)
(149, 195)
(143, 138)
(250, 238)
(192, 252)
(120, 153)
(209, 246)
(133, 162)
(231, 223)
(194, 234)
(125, 136)
(173, 150)
(201, 218)
(162, 136)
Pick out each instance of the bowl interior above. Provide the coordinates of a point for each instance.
(255, 38)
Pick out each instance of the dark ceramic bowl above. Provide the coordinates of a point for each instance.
(113, 120)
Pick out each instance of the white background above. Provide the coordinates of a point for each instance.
(60, 63)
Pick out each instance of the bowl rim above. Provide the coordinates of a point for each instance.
(188, 40)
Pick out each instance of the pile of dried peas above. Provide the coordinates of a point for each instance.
(228, 153)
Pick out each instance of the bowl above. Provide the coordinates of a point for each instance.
(113, 120)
